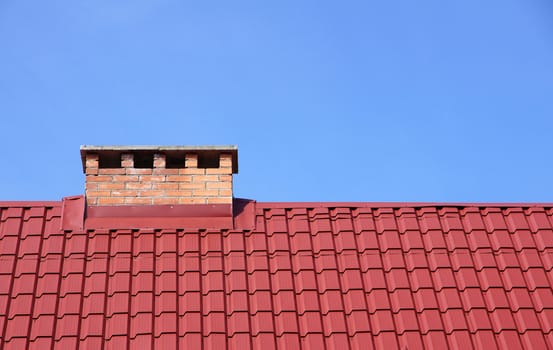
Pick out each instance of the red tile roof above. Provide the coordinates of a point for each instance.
(305, 275)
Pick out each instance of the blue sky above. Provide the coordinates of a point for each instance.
(326, 100)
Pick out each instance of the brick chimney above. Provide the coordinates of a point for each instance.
(158, 175)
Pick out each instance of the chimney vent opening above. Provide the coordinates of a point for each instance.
(208, 160)
(109, 161)
(143, 160)
(175, 161)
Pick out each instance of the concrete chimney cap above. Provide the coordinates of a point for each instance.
(200, 150)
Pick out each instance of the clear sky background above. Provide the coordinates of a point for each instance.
(326, 100)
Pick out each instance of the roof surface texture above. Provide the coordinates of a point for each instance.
(309, 276)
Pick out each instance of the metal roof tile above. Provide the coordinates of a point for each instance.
(406, 320)
(416, 258)
(509, 339)
(262, 322)
(382, 321)
(165, 282)
(169, 342)
(281, 281)
(45, 305)
(454, 320)
(24, 284)
(345, 240)
(533, 340)
(435, 340)
(420, 278)
(190, 302)
(70, 304)
(386, 340)
(190, 322)
(29, 245)
(459, 340)
(166, 323)
(397, 278)
(5, 283)
(411, 339)
(235, 261)
(258, 281)
(526, 319)
(308, 301)
(401, 299)
(284, 301)
(328, 280)
(322, 242)
(330, 301)
(310, 322)
(213, 302)
(239, 322)
(67, 326)
(389, 240)
(485, 339)
(443, 278)
(20, 305)
(334, 322)
(91, 326)
(430, 320)
(546, 319)
(42, 326)
(15, 344)
(286, 322)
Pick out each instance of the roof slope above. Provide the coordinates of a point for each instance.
(308, 276)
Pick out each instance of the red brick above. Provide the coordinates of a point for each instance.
(111, 186)
(182, 193)
(225, 160)
(133, 171)
(138, 185)
(215, 171)
(192, 171)
(217, 200)
(165, 186)
(110, 171)
(125, 193)
(179, 178)
(99, 178)
(159, 161)
(164, 171)
(221, 185)
(192, 200)
(92, 160)
(110, 200)
(127, 160)
(91, 186)
(152, 193)
(225, 193)
(201, 193)
(125, 178)
(191, 161)
(137, 200)
(166, 200)
(191, 186)
(98, 193)
(205, 178)
(152, 178)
